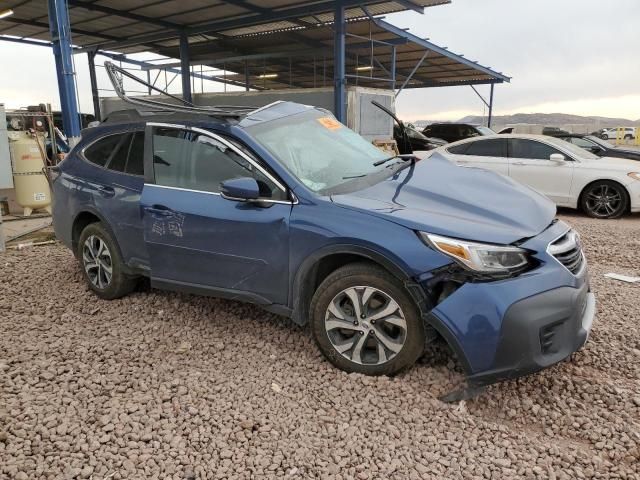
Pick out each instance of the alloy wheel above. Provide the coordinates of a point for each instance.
(365, 325)
(604, 200)
(97, 261)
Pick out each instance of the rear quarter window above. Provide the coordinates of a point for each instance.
(100, 151)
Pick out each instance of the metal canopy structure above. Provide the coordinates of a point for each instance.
(260, 44)
(129, 26)
(378, 55)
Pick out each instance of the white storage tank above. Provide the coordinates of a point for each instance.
(31, 186)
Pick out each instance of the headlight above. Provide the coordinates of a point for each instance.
(480, 257)
(634, 175)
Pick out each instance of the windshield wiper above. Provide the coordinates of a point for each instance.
(354, 176)
(405, 157)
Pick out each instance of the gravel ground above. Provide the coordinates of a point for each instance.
(161, 385)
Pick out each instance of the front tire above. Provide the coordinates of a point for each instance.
(604, 199)
(102, 265)
(364, 321)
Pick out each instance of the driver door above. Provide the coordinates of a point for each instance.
(199, 241)
(529, 163)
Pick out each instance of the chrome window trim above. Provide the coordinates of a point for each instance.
(104, 167)
(236, 150)
(219, 194)
(167, 125)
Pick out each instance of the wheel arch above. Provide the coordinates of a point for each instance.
(317, 266)
(612, 180)
(87, 217)
(322, 263)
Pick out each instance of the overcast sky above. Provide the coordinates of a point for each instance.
(569, 56)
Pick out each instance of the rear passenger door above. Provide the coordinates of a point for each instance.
(117, 187)
(197, 240)
(490, 154)
(529, 163)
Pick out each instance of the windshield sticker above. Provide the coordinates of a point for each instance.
(330, 123)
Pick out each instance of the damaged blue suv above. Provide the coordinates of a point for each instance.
(286, 208)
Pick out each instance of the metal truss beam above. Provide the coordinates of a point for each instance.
(257, 18)
(124, 14)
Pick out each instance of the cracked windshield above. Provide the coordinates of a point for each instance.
(318, 149)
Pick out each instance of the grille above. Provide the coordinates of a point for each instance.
(568, 251)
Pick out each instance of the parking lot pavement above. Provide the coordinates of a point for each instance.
(161, 385)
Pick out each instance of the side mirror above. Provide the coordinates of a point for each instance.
(557, 157)
(243, 189)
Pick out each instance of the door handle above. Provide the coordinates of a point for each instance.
(517, 163)
(159, 210)
(106, 191)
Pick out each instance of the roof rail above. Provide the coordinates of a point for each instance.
(117, 74)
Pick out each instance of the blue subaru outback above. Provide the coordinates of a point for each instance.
(287, 208)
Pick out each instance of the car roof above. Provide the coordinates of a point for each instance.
(268, 112)
(135, 116)
(523, 136)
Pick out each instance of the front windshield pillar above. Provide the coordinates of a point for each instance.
(339, 78)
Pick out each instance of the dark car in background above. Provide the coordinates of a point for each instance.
(554, 131)
(417, 140)
(452, 132)
(602, 148)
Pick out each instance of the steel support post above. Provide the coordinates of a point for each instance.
(91, 58)
(490, 106)
(393, 68)
(339, 55)
(63, 54)
(246, 75)
(185, 69)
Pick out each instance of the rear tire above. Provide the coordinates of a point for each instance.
(102, 265)
(382, 335)
(604, 199)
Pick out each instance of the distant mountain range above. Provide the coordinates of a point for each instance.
(547, 119)
(553, 119)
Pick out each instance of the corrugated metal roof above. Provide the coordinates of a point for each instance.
(106, 23)
(304, 58)
(291, 39)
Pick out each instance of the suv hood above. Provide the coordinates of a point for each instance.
(439, 197)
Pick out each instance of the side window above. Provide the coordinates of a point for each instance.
(495, 147)
(429, 131)
(135, 162)
(118, 160)
(459, 149)
(186, 159)
(100, 151)
(581, 142)
(521, 148)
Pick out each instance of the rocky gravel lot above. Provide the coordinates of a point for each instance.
(161, 385)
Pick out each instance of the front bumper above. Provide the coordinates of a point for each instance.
(508, 328)
(634, 196)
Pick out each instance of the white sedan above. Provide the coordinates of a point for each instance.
(603, 187)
